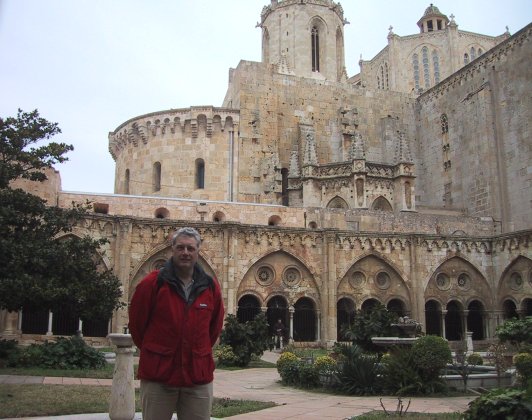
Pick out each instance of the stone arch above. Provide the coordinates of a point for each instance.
(278, 308)
(516, 281)
(337, 203)
(218, 216)
(381, 204)
(101, 257)
(509, 308)
(396, 305)
(280, 272)
(305, 321)
(476, 322)
(457, 277)
(361, 278)
(369, 303)
(454, 326)
(345, 315)
(248, 307)
(433, 317)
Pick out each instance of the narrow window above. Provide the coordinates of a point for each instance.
(200, 174)
(439, 23)
(429, 26)
(315, 40)
(472, 54)
(126, 182)
(415, 64)
(378, 82)
(284, 186)
(426, 74)
(480, 52)
(436, 63)
(157, 176)
(466, 58)
(386, 84)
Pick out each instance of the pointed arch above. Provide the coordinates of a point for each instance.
(381, 204)
(337, 203)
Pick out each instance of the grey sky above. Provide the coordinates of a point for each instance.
(92, 64)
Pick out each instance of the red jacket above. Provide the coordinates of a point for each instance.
(175, 338)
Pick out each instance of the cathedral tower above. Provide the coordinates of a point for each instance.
(304, 38)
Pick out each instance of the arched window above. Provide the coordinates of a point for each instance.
(433, 318)
(345, 315)
(378, 81)
(386, 76)
(200, 174)
(466, 58)
(415, 65)
(248, 308)
(426, 74)
(381, 204)
(315, 42)
(480, 52)
(472, 53)
(156, 176)
(436, 64)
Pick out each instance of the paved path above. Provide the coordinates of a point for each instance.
(263, 385)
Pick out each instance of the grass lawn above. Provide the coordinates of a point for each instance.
(381, 415)
(55, 400)
(104, 373)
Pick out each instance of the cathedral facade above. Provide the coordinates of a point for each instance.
(319, 195)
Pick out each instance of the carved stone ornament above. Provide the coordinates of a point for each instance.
(265, 275)
(291, 276)
(443, 282)
(383, 280)
(516, 281)
(357, 279)
(464, 281)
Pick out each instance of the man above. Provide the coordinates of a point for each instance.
(175, 317)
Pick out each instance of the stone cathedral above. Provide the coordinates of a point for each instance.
(320, 194)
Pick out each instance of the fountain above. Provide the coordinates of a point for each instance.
(407, 329)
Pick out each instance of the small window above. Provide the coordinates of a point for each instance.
(439, 23)
(466, 58)
(102, 208)
(126, 182)
(162, 213)
(429, 26)
(218, 217)
(200, 174)
(444, 124)
(274, 220)
(315, 42)
(157, 176)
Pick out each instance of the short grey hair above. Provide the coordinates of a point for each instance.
(187, 231)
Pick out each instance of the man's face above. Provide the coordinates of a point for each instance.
(185, 252)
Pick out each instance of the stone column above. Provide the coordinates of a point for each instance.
(443, 315)
(318, 325)
(330, 285)
(11, 324)
(50, 323)
(465, 313)
(122, 265)
(469, 342)
(291, 309)
(122, 404)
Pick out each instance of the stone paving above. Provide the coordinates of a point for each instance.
(263, 385)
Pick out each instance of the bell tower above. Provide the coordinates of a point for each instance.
(304, 38)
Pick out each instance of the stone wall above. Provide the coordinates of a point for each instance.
(489, 151)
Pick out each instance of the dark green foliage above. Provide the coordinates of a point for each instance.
(523, 364)
(308, 375)
(431, 353)
(475, 359)
(500, 404)
(376, 322)
(7, 347)
(516, 331)
(358, 374)
(65, 353)
(246, 339)
(36, 269)
(399, 373)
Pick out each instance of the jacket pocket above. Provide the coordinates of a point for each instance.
(202, 366)
(156, 362)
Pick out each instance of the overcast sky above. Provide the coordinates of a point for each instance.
(90, 65)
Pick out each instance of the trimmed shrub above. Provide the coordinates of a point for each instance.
(523, 364)
(308, 375)
(475, 359)
(515, 331)
(65, 353)
(500, 404)
(224, 355)
(246, 339)
(288, 368)
(431, 353)
(325, 365)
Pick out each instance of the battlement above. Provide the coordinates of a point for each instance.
(275, 5)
